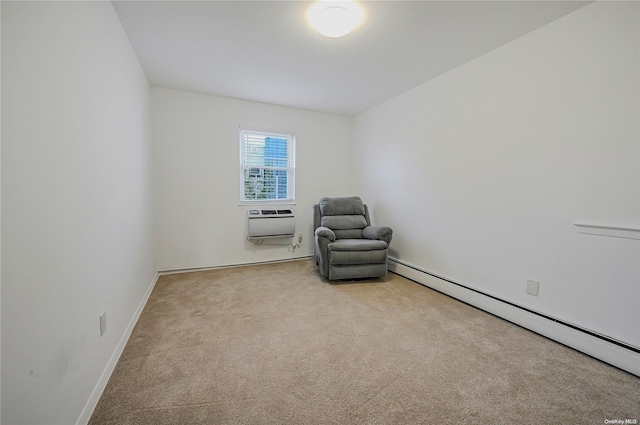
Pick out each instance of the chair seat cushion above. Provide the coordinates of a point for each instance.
(357, 245)
(357, 251)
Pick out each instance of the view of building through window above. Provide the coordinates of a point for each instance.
(267, 162)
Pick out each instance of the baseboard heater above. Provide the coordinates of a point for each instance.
(602, 347)
(263, 224)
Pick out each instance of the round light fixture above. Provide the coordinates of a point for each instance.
(335, 18)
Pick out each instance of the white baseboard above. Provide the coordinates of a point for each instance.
(585, 342)
(177, 270)
(91, 404)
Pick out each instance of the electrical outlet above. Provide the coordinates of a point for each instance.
(103, 323)
(532, 287)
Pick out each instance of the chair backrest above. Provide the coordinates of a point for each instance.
(346, 216)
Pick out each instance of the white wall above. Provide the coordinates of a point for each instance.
(483, 171)
(196, 168)
(77, 225)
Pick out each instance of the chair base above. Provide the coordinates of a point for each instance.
(356, 271)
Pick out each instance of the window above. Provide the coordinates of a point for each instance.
(267, 166)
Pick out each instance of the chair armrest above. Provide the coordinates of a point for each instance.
(382, 233)
(325, 232)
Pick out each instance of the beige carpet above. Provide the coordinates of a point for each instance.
(277, 344)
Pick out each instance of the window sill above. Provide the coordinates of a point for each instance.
(267, 202)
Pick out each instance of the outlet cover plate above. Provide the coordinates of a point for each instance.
(533, 287)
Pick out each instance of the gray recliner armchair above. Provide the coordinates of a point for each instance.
(347, 246)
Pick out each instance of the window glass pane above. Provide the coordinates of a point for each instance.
(267, 165)
(275, 152)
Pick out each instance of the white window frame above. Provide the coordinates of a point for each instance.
(247, 162)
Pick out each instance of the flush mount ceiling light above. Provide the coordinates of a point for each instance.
(335, 18)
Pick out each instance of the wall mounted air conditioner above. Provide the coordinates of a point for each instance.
(262, 224)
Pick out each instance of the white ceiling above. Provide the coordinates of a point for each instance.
(264, 50)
